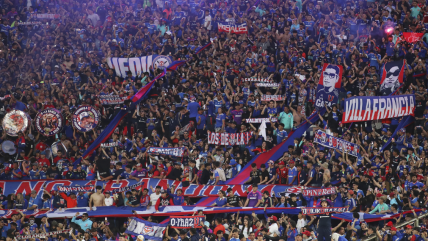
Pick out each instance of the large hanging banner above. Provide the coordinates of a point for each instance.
(392, 77)
(330, 141)
(365, 108)
(150, 231)
(328, 86)
(178, 152)
(316, 211)
(232, 28)
(26, 186)
(111, 211)
(186, 222)
(226, 139)
(49, 122)
(86, 118)
(138, 65)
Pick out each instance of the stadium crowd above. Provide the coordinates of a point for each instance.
(62, 63)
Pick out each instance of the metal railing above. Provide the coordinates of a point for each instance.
(414, 221)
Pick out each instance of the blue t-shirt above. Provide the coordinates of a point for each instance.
(350, 203)
(219, 120)
(291, 174)
(221, 201)
(200, 126)
(193, 109)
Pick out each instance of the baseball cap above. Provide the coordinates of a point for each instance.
(403, 130)
(307, 233)
(139, 165)
(281, 163)
(270, 161)
(389, 224)
(385, 130)
(349, 93)
(34, 191)
(379, 195)
(351, 192)
(409, 226)
(260, 234)
(274, 218)
(291, 162)
(394, 229)
(163, 191)
(161, 166)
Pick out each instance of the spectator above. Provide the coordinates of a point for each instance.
(84, 223)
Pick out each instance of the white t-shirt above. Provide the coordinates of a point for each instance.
(273, 229)
(245, 230)
(94, 18)
(208, 19)
(109, 201)
(300, 224)
(154, 198)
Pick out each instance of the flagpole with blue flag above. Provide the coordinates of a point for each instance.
(135, 100)
(174, 65)
(199, 50)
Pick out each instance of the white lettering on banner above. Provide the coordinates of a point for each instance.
(134, 64)
(137, 66)
(272, 97)
(388, 107)
(380, 113)
(375, 102)
(273, 85)
(227, 139)
(378, 108)
(367, 112)
(347, 109)
(260, 120)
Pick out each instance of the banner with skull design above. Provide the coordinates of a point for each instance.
(328, 86)
(392, 77)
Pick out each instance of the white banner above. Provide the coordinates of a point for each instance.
(257, 80)
(45, 15)
(273, 97)
(226, 139)
(260, 120)
(271, 85)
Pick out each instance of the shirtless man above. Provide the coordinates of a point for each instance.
(297, 116)
(97, 199)
(67, 63)
(66, 143)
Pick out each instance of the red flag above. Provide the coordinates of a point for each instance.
(412, 37)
